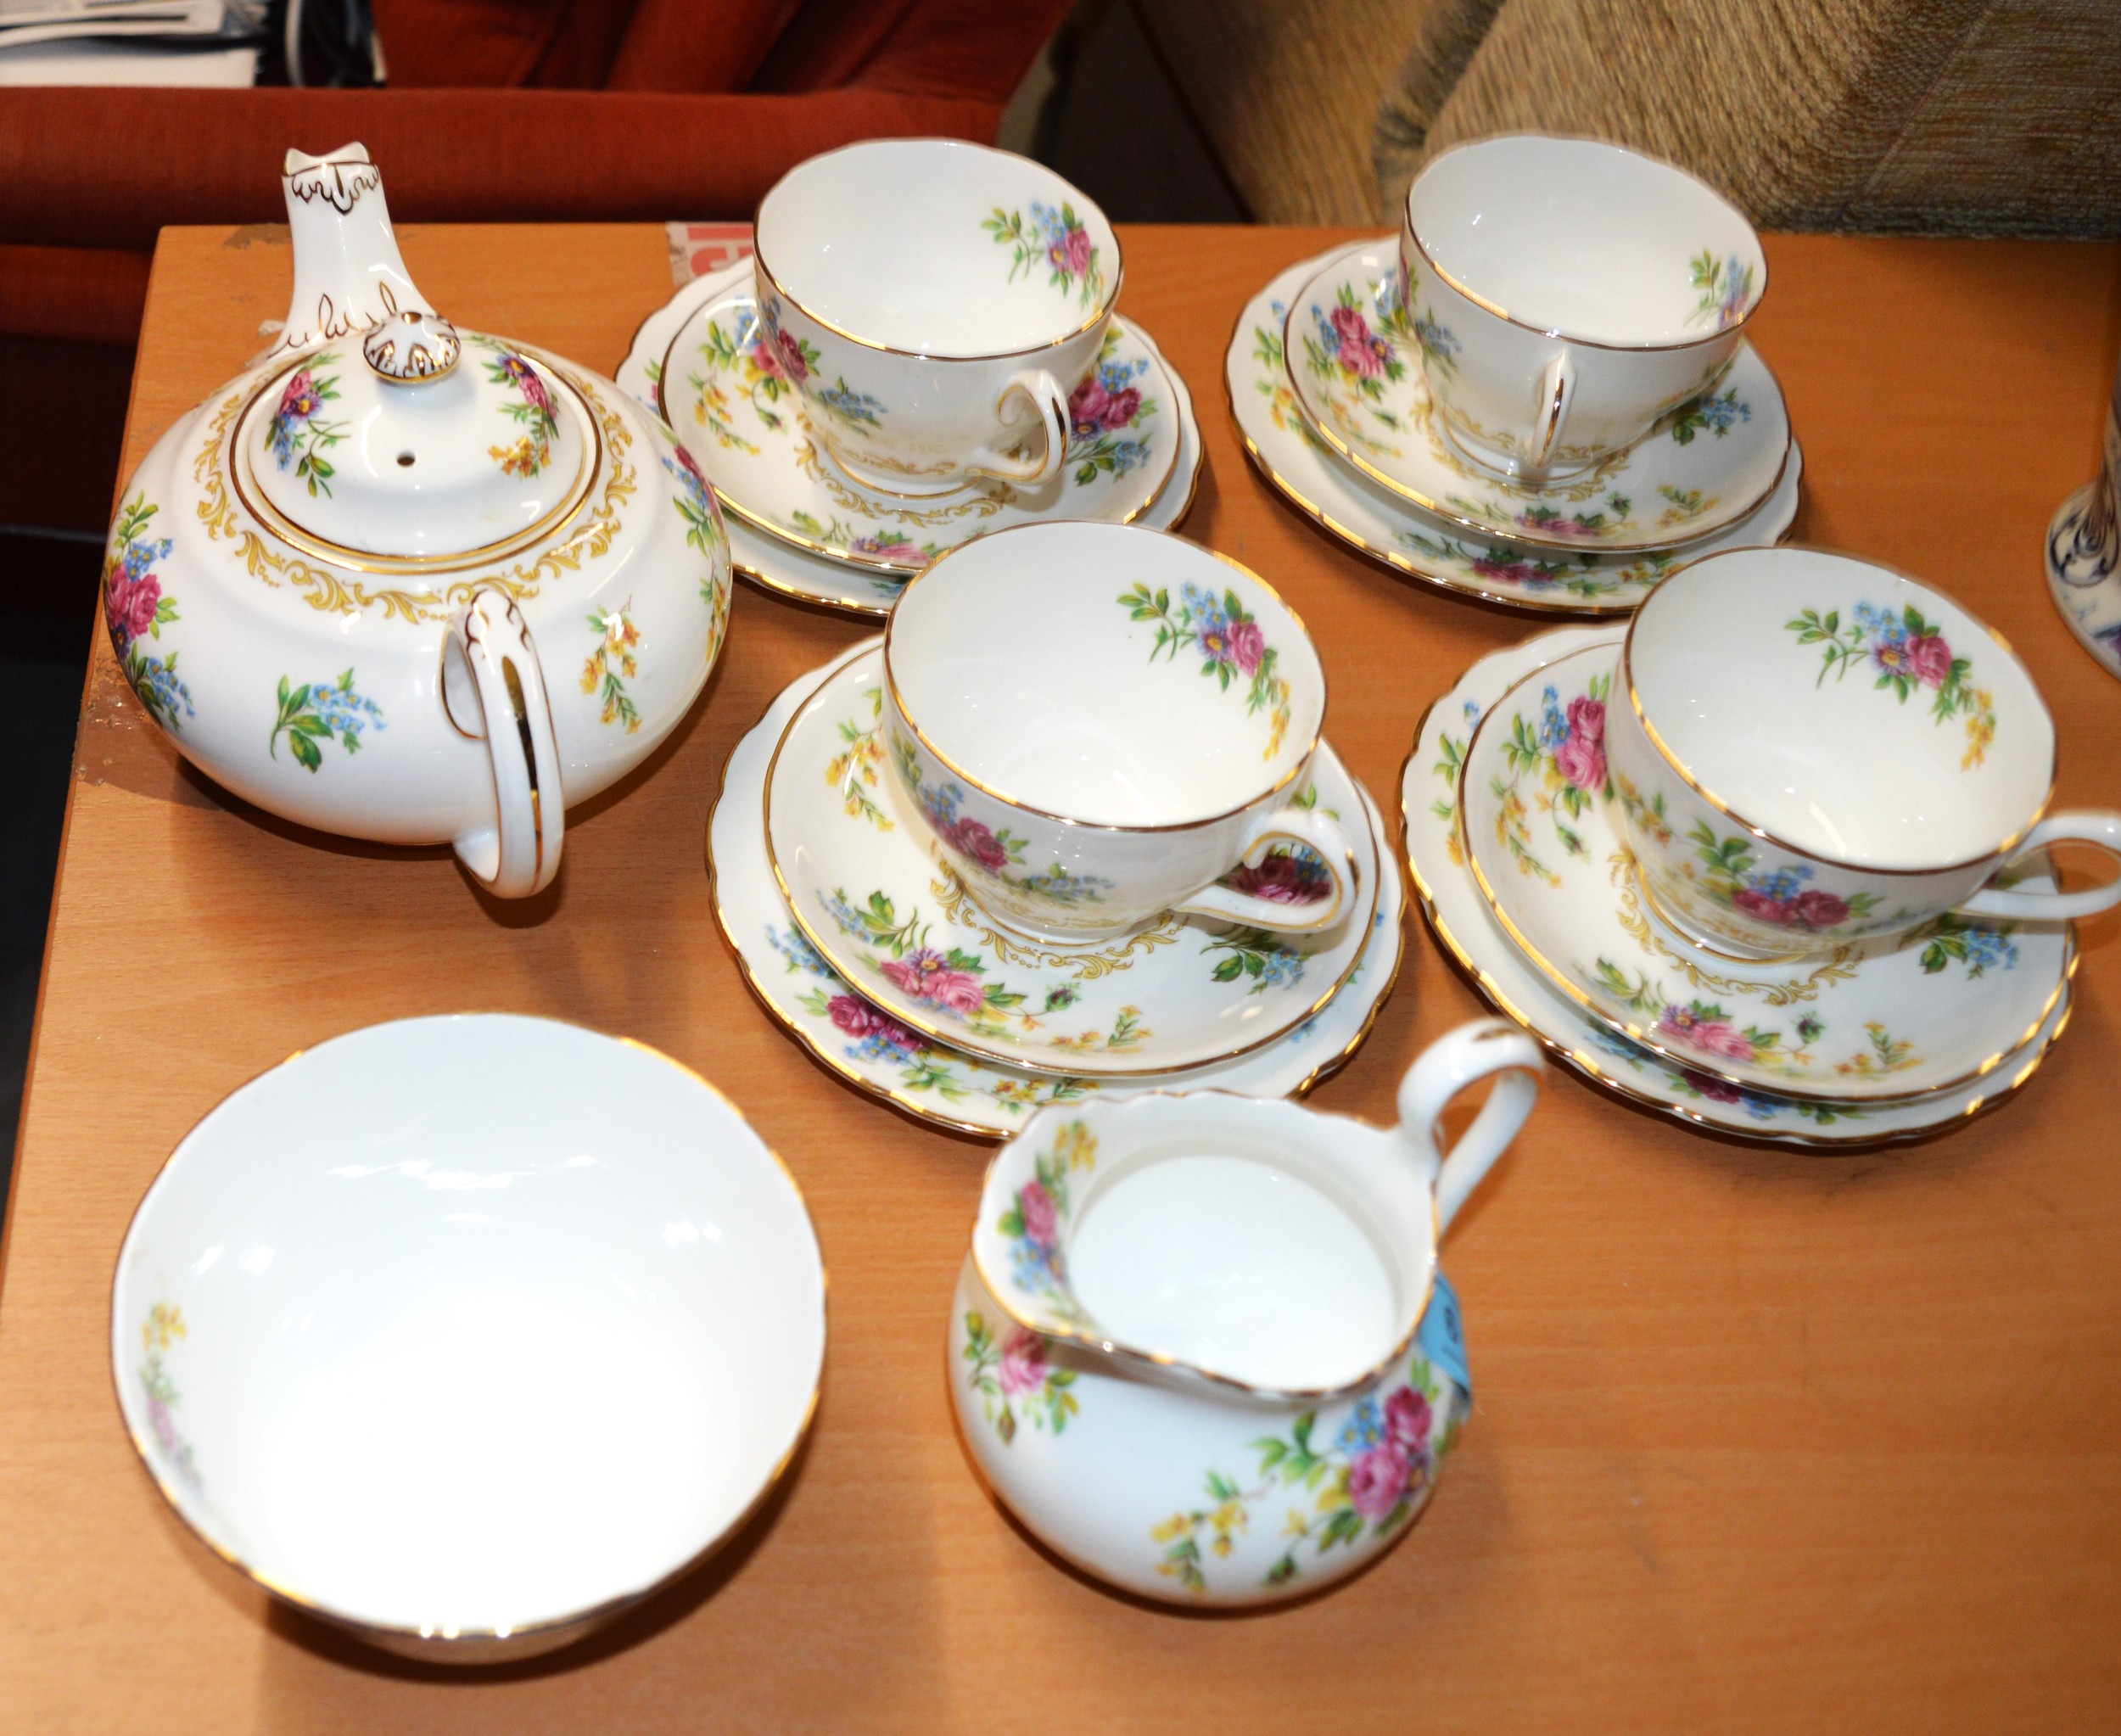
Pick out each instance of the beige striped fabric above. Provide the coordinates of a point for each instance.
(1927, 116)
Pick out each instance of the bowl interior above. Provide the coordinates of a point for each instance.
(1106, 673)
(1841, 707)
(938, 247)
(1589, 240)
(431, 1325)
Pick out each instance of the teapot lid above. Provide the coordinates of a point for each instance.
(411, 442)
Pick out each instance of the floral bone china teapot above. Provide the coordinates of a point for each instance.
(409, 582)
(1200, 1345)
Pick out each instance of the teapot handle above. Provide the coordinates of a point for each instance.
(1445, 1068)
(493, 689)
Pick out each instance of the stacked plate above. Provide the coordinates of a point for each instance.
(847, 929)
(1326, 384)
(802, 527)
(1534, 892)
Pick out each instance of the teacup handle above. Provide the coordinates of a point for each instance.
(1051, 403)
(1320, 833)
(493, 688)
(1445, 1067)
(2084, 826)
(1556, 389)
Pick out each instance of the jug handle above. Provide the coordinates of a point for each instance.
(1445, 1068)
(493, 688)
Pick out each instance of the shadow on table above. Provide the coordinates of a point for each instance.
(47, 604)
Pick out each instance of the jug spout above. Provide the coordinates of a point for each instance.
(347, 273)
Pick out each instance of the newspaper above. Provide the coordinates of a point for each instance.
(23, 22)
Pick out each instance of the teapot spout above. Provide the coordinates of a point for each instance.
(347, 273)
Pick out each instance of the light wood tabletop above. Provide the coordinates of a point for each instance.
(1764, 1439)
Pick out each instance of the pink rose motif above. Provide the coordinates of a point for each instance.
(1023, 1364)
(1071, 252)
(1247, 645)
(1377, 1479)
(1820, 909)
(927, 977)
(299, 400)
(1587, 718)
(129, 606)
(764, 358)
(1714, 1089)
(528, 382)
(887, 551)
(1516, 572)
(1710, 1036)
(1582, 762)
(858, 1019)
(1120, 407)
(973, 839)
(1283, 876)
(1407, 1418)
(1361, 354)
(959, 991)
(792, 365)
(1758, 905)
(1042, 1224)
(1929, 660)
(1087, 405)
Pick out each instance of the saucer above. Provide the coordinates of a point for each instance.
(949, 1087)
(776, 564)
(1462, 923)
(862, 886)
(1905, 1017)
(725, 392)
(1393, 530)
(1355, 369)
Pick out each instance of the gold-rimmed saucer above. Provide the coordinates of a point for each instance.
(1355, 368)
(1461, 921)
(802, 574)
(1932, 1012)
(1314, 478)
(855, 867)
(932, 1080)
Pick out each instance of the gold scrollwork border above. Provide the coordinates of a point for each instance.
(1790, 991)
(332, 589)
(1086, 965)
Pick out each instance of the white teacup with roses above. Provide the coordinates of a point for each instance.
(1811, 750)
(1099, 724)
(1565, 293)
(936, 302)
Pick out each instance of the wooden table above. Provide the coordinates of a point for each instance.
(1764, 1440)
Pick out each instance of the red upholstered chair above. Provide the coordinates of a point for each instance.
(729, 93)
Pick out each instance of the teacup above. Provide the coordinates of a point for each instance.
(935, 303)
(1811, 750)
(1566, 294)
(1101, 723)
